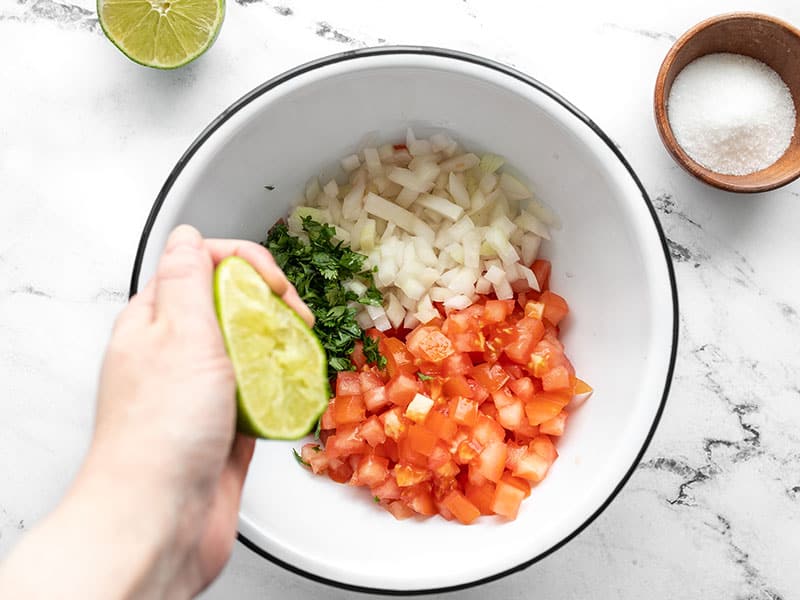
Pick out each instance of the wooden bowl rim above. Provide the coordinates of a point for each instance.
(662, 120)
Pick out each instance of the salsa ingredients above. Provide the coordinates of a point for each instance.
(438, 223)
(331, 280)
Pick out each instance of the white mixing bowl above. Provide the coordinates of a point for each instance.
(610, 261)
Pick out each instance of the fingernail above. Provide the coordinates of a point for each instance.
(184, 235)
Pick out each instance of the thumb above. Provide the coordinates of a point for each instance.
(183, 291)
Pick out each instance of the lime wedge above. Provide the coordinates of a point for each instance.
(280, 365)
(164, 34)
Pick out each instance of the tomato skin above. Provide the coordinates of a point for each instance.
(326, 420)
(369, 380)
(399, 510)
(419, 499)
(429, 343)
(556, 425)
(523, 388)
(388, 490)
(481, 496)
(457, 385)
(463, 411)
(495, 311)
(543, 446)
(357, 357)
(456, 364)
(407, 475)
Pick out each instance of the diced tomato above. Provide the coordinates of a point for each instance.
(326, 420)
(512, 416)
(422, 435)
(517, 482)
(543, 446)
(554, 426)
(490, 377)
(371, 471)
(442, 426)
(402, 389)
(399, 510)
(492, 461)
(429, 343)
(555, 307)
(486, 430)
(371, 431)
(347, 384)
(479, 393)
(481, 496)
(457, 385)
(463, 411)
(507, 499)
(556, 379)
(495, 311)
(456, 364)
(545, 405)
(527, 335)
(531, 466)
(339, 470)
(523, 388)
(407, 475)
(541, 268)
(376, 399)
(419, 499)
(461, 508)
(398, 358)
(395, 424)
(345, 443)
(421, 439)
(315, 457)
(369, 380)
(348, 409)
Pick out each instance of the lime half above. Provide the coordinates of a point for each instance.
(164, 34)
(280, 365)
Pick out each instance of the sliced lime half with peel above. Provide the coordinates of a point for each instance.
(280, 365)
(164, 34)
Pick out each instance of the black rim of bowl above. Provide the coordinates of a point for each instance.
(490, 64)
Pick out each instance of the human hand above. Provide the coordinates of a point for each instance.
(162, 481)
(167, 396)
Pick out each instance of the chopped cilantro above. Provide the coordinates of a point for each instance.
(423, 377)
(299, 459)
(376, 499)
(372, 353)
(318, 270)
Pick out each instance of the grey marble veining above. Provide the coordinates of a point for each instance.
(86, 139)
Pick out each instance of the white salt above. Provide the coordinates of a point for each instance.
(731, 113)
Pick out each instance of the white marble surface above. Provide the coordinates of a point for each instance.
(86, 139)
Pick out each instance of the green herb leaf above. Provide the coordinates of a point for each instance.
(299, 459)
(372, 353)
(317, 429)
(423, 377)
(318, 270)
(376, 499)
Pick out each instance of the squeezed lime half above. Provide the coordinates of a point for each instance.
(280, 364)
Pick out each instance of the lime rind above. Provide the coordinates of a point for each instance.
(180, 14)
(280, 365)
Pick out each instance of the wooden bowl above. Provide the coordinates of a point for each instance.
(762, 37)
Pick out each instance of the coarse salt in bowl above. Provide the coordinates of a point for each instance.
(744, 146)
(610, 260)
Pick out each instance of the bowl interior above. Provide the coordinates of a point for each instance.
(764, 38)
(609, 262)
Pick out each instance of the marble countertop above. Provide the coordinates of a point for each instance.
(87, 137)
